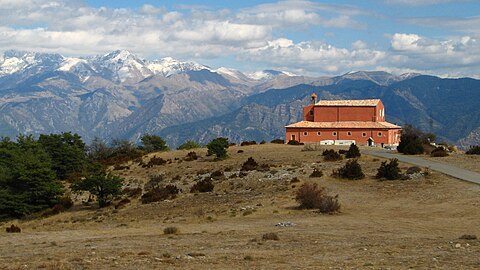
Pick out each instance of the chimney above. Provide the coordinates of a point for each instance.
(313, 99)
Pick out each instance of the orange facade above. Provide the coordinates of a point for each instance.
(358, 120)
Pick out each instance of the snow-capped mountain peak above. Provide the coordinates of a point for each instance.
(268, 74)
(168, 66)
(17, 61)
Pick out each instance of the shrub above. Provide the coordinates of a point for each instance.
(263, 142)
(270, 236)
(249, 165)
(153, 143)
(13, 229)
(310, 196)
(353, 152)
(191, 156)
(316, 173)
(205, 185)
(294, 142)
(154, 161)
(342, 151)
(170, 230)
(331, 155)
(329, 204)
(278, 141)
(189, 145)
(351, 170)
(240, 151)
(247, 143)
(439, 152)
(218, 147)
(474, 150)
(390, 170)
(159, 194)
(411, 142)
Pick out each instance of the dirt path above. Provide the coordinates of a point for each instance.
(456, 172)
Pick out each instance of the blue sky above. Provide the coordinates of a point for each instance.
(439, 37)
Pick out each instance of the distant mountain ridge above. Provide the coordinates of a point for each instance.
(121, 95)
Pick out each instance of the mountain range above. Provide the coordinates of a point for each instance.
(120, 95)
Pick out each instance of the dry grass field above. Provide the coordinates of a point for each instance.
(411, 224)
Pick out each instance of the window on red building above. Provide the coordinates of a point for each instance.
(319, 133)
(305, 133)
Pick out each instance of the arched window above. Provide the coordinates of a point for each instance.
(364, 134)
(319, 133)
(379, 134)
(349, 133)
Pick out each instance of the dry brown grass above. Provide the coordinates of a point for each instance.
(398, 225)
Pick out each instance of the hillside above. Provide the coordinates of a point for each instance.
(121, 95)
(429, 103)
(381, 224)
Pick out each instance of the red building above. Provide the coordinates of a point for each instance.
(334, 120)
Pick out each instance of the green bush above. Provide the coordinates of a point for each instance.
(189, 145)
(101, 184)
(390, 170)
(294, 142)
(153, 143)
(411, 141)
(218, 147)
(331, 155)
(278, 141)
(353, 151)
(474, 150)
(351, 170)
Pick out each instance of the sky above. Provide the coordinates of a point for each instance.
(315, 38)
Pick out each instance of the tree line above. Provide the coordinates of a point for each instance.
(35, 172)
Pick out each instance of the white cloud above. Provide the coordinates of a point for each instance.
(317, 56)
(455, 55)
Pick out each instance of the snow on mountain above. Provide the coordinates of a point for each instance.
(232, 73)
(16, 61)
(268, 74)
(168, 66)
(70, 63)
(121, 66)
